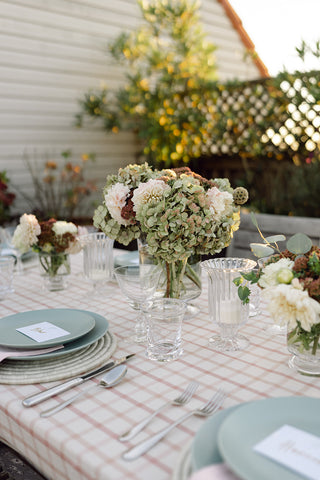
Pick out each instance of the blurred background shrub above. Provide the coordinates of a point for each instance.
(61, 189)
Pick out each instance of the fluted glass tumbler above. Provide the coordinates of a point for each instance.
(225, 307)
(97, 260)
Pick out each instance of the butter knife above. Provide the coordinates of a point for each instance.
(62, 387)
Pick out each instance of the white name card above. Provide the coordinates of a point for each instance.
(295, 449)
(43, 331)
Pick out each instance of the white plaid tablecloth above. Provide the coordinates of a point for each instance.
(80, 442)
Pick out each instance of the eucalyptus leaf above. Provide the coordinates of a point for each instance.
(254, 220)
(299, 244)
(275, 238)
(260, 250)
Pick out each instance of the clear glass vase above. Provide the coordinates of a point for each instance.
(305, 361)
(54, 268)
(225, 307)
(180, 279)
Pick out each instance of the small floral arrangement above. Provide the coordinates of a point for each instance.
(54, 238)
(180, 212)
(290, 283)
(51, 236)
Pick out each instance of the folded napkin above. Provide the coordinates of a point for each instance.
(12, 352)
(220, 471)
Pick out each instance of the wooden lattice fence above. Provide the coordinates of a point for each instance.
(267, 138)
(275, 118)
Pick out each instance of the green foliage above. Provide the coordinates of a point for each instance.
(284, 188)
(6, 198)
(306, 50)
(314, 264)
(299, 244)
(60, 188)
(260, 250)
(168, 98)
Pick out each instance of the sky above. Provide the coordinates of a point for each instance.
(277, 27)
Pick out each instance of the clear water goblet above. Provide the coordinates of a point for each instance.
(138, 283)
(6, 236)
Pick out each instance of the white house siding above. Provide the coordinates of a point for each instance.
(52, 52)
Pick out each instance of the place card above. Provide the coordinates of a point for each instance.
(295, 449)
(43, 331)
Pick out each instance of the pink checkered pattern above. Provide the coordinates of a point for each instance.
(80, 442)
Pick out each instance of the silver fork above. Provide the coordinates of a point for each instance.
(182, 399)
(205, 411)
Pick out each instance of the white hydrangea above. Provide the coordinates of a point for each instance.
(269, 276)
(115, 200)
(61, 227)
(26, 233)
(149, 191)
(288, 304)
(220, 203)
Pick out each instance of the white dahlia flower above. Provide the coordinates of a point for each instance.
(115, 200)
(288, 304)
(147, 192)
(26, 233)
(220, 203)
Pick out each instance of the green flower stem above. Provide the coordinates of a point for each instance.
(190, 273)
(293, 337)
(307, 340)
(175, 272)
(52, 263)
(315, 345)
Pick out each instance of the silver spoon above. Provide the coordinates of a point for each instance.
(110, 379)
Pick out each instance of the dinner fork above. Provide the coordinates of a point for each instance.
(205, 411)
(182, 399)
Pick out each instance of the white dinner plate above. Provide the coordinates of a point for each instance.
(100, 328)
(253, 422)
(77, 323)
(204, 449)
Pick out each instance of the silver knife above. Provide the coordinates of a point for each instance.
(62, 387)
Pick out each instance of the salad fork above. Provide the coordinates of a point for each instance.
(182, 399)
(205, 411)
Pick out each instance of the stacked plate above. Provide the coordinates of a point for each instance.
(230, 435)
(86, 344)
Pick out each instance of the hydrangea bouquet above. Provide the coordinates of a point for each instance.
(54, 239)
(179, 212)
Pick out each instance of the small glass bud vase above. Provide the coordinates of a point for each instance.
(303, 360)
(54, 268)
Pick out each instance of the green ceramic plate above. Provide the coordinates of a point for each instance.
(204, 450)
(254, 421)
(100, 328)
(76, 322)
